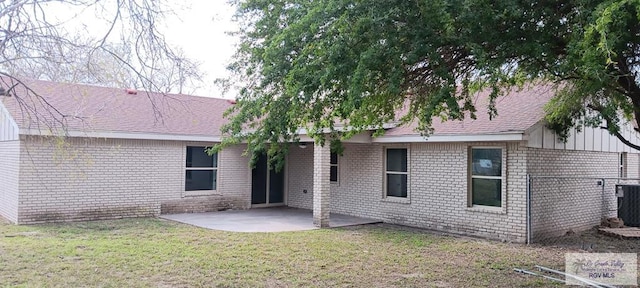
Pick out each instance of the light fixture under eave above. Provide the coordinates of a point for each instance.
(302, 145)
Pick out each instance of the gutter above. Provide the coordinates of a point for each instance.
(125, 135)
(340, 128)
(500, 137)
(512, 136)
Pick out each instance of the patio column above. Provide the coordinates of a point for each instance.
(321, 184)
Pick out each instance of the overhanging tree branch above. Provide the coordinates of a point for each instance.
(625, 141)
(39, 45)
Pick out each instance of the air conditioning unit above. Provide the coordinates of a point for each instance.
(629, 204)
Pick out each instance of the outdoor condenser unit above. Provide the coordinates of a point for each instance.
(629, 204)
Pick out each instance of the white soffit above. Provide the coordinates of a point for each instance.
(451, 138)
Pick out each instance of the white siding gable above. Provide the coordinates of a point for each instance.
(8, 127)
(589, 139)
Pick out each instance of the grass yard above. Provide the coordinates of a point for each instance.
(159, 253)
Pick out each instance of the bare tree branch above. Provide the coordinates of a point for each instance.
(37, 41)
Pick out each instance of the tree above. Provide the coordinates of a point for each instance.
(87, 65)
(115, 43)
(312, 64)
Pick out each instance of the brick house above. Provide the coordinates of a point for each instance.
(127, 156)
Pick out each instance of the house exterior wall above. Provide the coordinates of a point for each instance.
(8, 127)
(587, 139)
(9, 167)
(234, 185)
(438, 196)
(633, 165)
(300, 178)
(89, 179)
(573, 197)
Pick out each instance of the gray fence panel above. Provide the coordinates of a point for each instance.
(564, 205)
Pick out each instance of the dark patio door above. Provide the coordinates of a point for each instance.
(267, 185)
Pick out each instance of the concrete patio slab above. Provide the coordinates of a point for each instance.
(279, 219)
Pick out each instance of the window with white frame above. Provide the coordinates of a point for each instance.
(622, 173)
(201, 172)
(486, 177)
(334, 167)
(396, 172)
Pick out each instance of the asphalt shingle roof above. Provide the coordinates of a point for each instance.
(517, 112)
(101, 109)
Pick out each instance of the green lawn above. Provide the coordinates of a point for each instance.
(157, 253)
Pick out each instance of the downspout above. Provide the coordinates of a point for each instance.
(528, 208)
(604, 208)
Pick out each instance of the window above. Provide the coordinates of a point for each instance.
(486, 177)
(334, 167)
(396, 175)
(201, 170)
(622, 173)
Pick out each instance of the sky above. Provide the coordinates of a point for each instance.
(200, 31)
(199, 28)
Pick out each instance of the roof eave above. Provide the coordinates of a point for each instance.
(497, 137)
(125, 135)
(385, 126)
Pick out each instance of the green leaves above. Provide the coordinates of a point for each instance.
(323, 65)
(600, 68)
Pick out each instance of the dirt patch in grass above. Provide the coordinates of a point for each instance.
(158, 253)
(592, 241)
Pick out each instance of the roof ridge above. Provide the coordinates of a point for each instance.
(26, 80)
